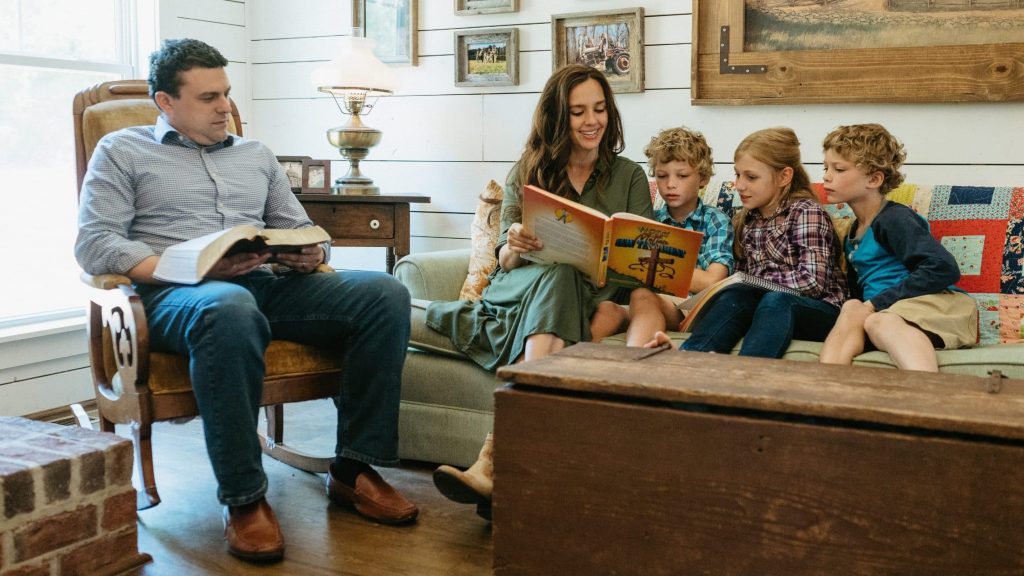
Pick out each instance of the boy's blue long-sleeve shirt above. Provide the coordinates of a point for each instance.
(897, 258)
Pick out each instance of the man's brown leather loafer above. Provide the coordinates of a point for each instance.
(373, 498)
(253, 533)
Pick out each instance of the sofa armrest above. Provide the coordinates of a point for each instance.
(434, 275)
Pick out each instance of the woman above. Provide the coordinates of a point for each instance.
(529, 310)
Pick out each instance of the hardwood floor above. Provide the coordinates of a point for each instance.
(184, 534)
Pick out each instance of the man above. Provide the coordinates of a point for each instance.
(152, 186)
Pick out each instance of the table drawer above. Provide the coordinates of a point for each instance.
(352, 220)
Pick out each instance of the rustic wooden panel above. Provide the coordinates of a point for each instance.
(587, 486)
(985, 73)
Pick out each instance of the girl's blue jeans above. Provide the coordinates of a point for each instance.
(766, 322)
(224, 327)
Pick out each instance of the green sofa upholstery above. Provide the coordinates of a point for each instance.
(447, 400)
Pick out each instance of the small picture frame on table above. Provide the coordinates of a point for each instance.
(316, 176)
(293, 169)
(487, 57)
(468, 7)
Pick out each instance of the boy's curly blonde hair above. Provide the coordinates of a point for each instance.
(682, 144)
(872, 148)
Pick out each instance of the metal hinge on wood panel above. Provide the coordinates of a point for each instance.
(725, 67)
(995, 381)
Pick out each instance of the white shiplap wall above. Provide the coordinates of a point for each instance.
(446, 141)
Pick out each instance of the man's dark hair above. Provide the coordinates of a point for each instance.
(176, 56)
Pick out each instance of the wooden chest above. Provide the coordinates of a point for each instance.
(611, 460)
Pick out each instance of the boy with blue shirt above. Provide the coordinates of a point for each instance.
(902, 275)
(680, 161)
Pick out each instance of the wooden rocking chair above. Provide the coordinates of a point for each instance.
(137, 387)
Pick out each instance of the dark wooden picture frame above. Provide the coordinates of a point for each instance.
(294, 170)
(721, 73)
(614, 44)
(316, 176)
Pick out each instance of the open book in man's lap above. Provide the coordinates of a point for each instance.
(188, 262)
(642, 251)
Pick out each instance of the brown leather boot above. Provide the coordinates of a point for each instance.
(475, 485)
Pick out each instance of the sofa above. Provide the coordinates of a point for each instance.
(447, 400)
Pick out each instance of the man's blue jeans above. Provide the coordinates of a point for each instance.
(766, 321)
(225, 327)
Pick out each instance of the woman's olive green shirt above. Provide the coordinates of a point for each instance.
(537, 299)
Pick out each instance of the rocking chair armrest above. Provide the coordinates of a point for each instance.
(105, 281)
(118, 335)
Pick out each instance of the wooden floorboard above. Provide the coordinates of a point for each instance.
(184, 534)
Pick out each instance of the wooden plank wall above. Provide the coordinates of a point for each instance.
(446, 141)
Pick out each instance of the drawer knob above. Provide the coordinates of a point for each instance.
(374, 224)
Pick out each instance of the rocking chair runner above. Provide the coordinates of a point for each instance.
(137, 387)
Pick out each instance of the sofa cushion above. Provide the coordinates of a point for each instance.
(483, 238)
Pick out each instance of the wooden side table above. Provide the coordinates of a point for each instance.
(364, 221)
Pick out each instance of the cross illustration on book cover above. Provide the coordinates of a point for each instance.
(654, 264)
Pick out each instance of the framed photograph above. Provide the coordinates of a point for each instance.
(611, 41)
(768, 52)
(466, 7)
(392, 25)
(487, 57)
(293, 169)
(316, 176)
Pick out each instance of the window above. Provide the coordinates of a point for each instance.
(49, 50)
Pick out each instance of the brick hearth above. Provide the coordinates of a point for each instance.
(68, 505)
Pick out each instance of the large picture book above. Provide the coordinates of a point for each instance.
(694, 307)
(641, 251)
(188, 262)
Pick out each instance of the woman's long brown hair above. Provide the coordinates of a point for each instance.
(547, 150)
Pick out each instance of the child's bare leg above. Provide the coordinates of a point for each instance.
(909, 347)
(846, 339)
(540, 345)
(648, 315)
(610, 318)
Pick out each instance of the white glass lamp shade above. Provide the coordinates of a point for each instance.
(355, 68)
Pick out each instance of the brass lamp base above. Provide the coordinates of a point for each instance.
(354, 189)
(353, 142)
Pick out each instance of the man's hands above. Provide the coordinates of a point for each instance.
(305, 260)
(237, 265)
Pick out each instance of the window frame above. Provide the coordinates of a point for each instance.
(132, 43)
